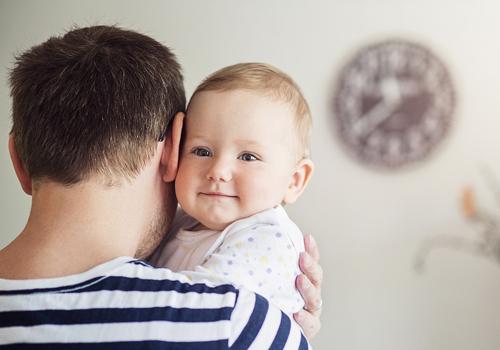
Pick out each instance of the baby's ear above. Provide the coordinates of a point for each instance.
(299, 180)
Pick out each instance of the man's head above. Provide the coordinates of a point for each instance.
(245, 146)
(94, 101)
(95, 105)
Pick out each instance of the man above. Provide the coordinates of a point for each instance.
(97, 121)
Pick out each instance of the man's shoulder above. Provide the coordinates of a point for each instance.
(142, 274)
(122, 274)
(125, 303)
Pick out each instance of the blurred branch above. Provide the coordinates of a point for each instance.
(486, 243)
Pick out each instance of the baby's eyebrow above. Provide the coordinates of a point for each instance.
(196, 137)
(251, 142)
(248, 142)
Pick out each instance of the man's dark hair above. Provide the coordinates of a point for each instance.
(93, 101)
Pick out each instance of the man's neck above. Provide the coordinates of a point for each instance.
(72, 229)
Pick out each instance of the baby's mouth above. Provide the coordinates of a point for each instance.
(217, 194)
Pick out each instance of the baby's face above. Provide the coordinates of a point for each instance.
(238, 156)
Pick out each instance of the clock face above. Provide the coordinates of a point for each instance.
(393, 103)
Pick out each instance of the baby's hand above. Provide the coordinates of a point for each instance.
(309, 286)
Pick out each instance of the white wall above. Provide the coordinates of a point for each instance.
(368, 223)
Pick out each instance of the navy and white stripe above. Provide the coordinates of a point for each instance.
(127, 304)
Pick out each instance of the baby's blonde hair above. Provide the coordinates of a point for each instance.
(271, 81)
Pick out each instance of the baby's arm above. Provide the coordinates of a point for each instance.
(261, 258)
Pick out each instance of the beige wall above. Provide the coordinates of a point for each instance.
(368, 223)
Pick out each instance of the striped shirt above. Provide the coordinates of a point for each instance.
(128, 304)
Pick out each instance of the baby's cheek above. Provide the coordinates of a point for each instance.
(183, 188)
(261, 195)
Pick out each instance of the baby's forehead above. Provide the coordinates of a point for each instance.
(243, 100)
(249, 114)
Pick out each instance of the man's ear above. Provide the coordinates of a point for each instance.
(299, 180)
(170, 156)
(21, 173)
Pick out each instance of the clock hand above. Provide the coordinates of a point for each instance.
(368, 122)
(381, 111)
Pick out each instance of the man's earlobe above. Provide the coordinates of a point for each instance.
(299, 180)
(170, 157)
(21, 173)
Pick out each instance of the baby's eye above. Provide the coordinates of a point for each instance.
(248, 157)
(201, 152)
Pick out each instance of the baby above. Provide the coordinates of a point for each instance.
(245, 151)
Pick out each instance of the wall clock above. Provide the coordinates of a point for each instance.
(393, 103)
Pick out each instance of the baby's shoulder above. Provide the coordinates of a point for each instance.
(272, 224)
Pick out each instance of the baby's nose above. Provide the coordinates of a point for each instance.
(219, 171)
